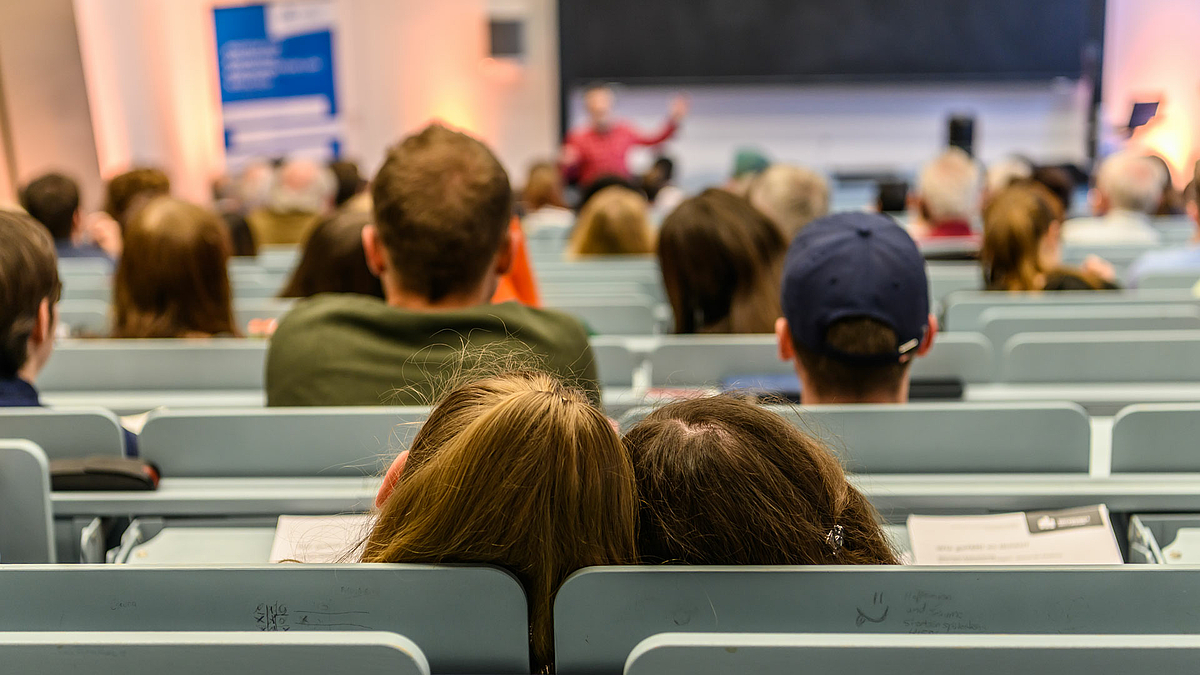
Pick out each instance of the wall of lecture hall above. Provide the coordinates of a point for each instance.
(1151, 52)
(153, 82)
(153, 92)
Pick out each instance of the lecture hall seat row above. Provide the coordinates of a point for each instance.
(721, 620)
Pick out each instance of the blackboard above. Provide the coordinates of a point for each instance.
(668, 41)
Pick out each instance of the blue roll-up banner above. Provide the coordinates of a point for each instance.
(278, 93)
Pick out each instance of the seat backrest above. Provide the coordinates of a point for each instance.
(615, 361)
(202, 653)
(89, 317)
(919, 438)
(1156, 438)
(602, 613)
(707, 360)
(155, 365)
(65, 433)
(26, 516)
(1119, 356)
(812, 654)
(246, 310)
(964, 309)
(1178, 280)
(465, 618)
(1000, 324)
(1120, 255)
(618, 315)
(947, 278)
(278, 441)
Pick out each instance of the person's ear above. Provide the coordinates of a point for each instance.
(931, 331)
(391, 479)
(783, 338)
(374, 250)
(507, 254)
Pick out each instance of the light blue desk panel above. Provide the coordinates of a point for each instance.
(895, 496)
(1157, 438)
(27, 525)
(65, 433)
(219, 364)
(465, 618)
(136, 402)
(965, 309)
(851, 654)
(205, 653)
(1098, 398)
(601, 614)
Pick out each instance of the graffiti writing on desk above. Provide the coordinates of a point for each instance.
(877, 612)
(314, 619)
(271, 617)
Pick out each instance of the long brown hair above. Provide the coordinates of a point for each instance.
(173, 280)
(725, 482)
(333, 260)
(614, 221)
(519, 471)
(543, 188)
(721, 263)
(1015, 222)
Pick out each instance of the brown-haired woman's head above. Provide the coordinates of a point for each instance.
(519, 471)
(1020, 237)
(721, 262)
(125, 190)
(333, 260)
(615, 221)
(543, 188)
(172, 280)
(725, 482)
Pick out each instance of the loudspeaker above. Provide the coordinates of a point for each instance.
(961, 133)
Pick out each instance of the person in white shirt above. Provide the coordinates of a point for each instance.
(1128, 189)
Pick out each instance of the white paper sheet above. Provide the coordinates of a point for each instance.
(1081, 536)
(320, 539)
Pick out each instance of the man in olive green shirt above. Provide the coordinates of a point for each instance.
(439, 245)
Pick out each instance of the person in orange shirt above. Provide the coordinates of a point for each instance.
(519, 284)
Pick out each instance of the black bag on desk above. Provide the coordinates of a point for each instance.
(102, 473)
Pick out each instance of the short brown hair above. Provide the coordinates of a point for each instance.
(333, 260)
(124, 190)
(28, 275)
(724, 482)
(172, 280)
(721, 263)
(442, 206)
(615, 221)
(850, 380)
(519, 471)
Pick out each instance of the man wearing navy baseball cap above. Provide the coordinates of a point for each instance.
(855, 309)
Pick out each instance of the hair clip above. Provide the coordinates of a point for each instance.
(836, 538)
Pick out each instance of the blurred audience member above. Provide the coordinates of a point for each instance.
(790, 196)
(1059, 181)
(614, 222)
(1184, 259)
(1171, 201)
(129, 190)
(173, 281)
(947, 199)
(855, 310)
(1022, 251)
(439, 242)
(518, 283)
(600, 148)
(1127, 192)
(349, 182)
(302, 192)
(333, 260)
(891, 196)
(228, 205)
(1007, 171)
(720, 261)
(748, 163)
(656, 183)
(53, 200)
(29, 291)
(542, 200)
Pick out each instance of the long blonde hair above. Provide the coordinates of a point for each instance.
(519, 471)
(615, 221)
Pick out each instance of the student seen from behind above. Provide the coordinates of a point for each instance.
(790, 196)
(518, 471)
(724, 482)
(1022, 245)
(1127, 192)
(53, 200)
(1183, 259)
(173, 281)
(720, 260)
(947, 197)
(29, 292)
(615, 221)
(855, 310)
(332, 260)
(439, 243)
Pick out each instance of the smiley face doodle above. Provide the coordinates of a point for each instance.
(873, 614)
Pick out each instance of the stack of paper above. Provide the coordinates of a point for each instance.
(1080, 536)
(320, 539)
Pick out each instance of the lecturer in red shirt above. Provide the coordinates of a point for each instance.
(599, 149)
